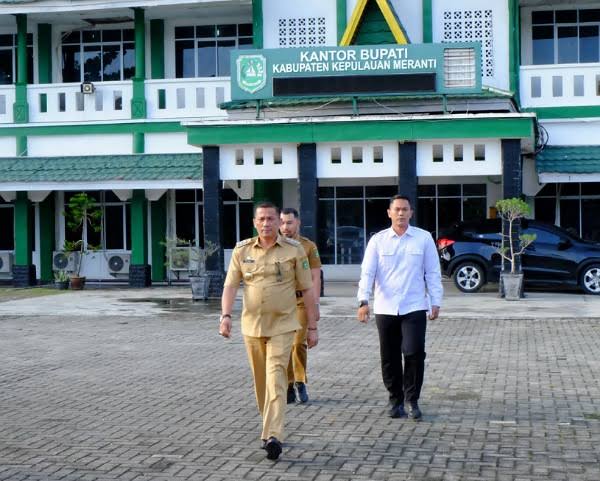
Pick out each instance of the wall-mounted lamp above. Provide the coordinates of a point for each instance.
(87, 88)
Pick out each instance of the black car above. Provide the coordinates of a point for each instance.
(468, 255)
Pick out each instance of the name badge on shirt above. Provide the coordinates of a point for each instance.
(248, 260)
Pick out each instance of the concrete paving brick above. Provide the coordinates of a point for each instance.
(110, 396)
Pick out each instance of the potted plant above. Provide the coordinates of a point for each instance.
(61, 279)
(81, 210)
(510, 210)
(199, 277)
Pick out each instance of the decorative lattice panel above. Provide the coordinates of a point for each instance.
(472, 26)
(302, 32)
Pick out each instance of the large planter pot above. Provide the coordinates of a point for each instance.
(200, 286)
(61, 284)
(77, 283)
(513, 286)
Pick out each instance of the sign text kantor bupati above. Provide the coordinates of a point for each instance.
(267, 73)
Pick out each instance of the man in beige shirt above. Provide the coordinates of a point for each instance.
(272, 269)
(290, 227)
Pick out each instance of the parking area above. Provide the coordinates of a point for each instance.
(136, 385)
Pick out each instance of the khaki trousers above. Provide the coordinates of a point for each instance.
(297, 366)
(269, 357)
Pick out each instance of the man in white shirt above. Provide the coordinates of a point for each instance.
(402, 262)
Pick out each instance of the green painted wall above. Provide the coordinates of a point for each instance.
(46, 237)
(139, 233)
(21, 107)
(342, 19)
(507, 127)
(427, 21)
(257, 23)
(90, 129)
(138, 101)
(23, 231)
(44, 44)
(158, 214)
(157, 49)
(268, 190)
(373, 30)
(514, 22)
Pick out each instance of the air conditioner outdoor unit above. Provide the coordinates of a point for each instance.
(119, 263)
(180, 258)
(64, 261)
(6, 262)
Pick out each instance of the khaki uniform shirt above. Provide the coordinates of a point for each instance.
(312, 253)
(271, 278)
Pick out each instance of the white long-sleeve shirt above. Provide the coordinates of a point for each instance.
(405, 271)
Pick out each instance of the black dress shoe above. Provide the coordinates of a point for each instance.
(397, 411)
(302, 393)
(414, 412)
(263, 444)
(273, 448)
(291, 394)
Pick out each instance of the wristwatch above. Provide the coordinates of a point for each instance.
(363, 303)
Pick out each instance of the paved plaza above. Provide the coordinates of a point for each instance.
(137, 385)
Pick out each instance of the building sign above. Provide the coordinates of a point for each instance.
(356, 70)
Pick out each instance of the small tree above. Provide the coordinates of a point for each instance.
(183, 255)
(82, 210)
(511, 210)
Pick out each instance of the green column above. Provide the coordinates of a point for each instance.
(157, 48)
(46, 238)
(341, 19)
(158, 213)
(20, 107)
(139, 232)
(513, 45)
(257, 23)
(427, 22)
(138, 102)
(138, 143)
(23, 233)
(44, 47)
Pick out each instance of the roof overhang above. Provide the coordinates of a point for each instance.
(406, 128)
(107, 185)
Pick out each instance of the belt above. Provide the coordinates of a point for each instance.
(298, 294)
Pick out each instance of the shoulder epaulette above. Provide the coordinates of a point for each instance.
(289, 240)
(244, 242)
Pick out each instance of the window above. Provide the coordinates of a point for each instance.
(189, 216)
(237, 215)
(7, 221)
(204, 50)
(573, 206)
(8, 58)
(347, 218)
(98, 55)
(440, 206)
(565, 36)
(116, 221)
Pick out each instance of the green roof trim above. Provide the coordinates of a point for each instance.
(583, 159)
(102, 168)
(292, 101)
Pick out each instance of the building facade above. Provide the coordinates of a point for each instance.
(177, 117)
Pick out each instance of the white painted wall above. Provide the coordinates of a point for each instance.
(573, 132)
(273, 10)
(172, 143)
(500, 33)
(347, 168)
(8, 146)
(492, 165)
(67, 145)
(248, 169)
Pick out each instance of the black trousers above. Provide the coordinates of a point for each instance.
(398, 336)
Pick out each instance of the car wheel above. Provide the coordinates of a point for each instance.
(590, 279)
(469, 277)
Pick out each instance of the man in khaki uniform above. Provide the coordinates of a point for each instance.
(290, 227)
(272, 268)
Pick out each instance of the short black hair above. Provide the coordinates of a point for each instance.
(400, 197)
(266, 205)
(290, 210)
